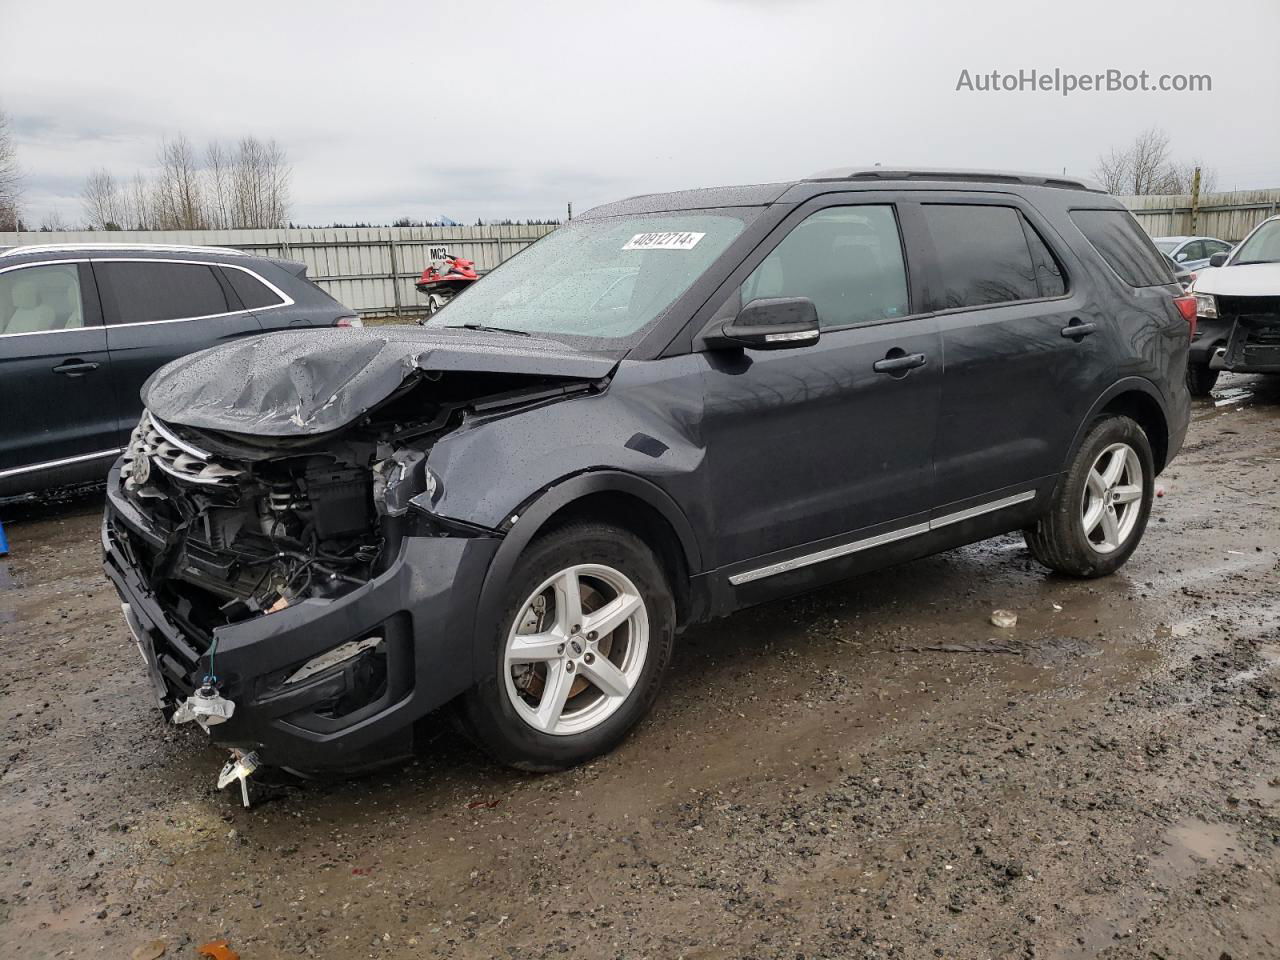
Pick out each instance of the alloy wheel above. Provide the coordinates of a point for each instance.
(576, 650)
(1112, 500)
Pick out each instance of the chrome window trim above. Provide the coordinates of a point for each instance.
(286, 300)
(65, 461)
(879, 540)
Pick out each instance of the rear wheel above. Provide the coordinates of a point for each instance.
(1201, 378)
(1101, 505)
(585, 636)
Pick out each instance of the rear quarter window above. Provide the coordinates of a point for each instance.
(1124, 245)
(253, 293)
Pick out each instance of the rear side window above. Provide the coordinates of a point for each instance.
(847, 260)
(1048, 271)
(1131, 254)
(983, 256)
(142, 291)
(253, 293)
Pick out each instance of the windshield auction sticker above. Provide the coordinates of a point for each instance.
(663, 241)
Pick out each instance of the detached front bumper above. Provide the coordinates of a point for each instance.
(348, 715)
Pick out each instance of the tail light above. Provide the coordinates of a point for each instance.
(1187, 307)
(348, 322)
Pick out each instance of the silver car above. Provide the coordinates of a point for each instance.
(1193, 253)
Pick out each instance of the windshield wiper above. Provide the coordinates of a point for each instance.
(488, 329)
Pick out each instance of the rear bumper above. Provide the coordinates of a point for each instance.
(422, 606)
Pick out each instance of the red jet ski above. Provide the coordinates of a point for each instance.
(441, 284)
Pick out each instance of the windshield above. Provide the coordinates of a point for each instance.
(604, 280)
(1262, 247)
(1167, 246)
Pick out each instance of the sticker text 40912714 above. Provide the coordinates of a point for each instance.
(675, 240)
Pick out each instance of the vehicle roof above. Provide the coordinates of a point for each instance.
(763, 194)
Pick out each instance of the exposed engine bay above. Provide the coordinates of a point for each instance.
(255, 524)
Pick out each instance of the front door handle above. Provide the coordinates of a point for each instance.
(898, 362)
(1077, 330)
(75, 368)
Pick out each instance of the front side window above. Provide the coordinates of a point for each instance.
(1122, 243)
(847, 260)
(1263, 246)
(40, 299)
(1192, 251)
(598, 283)
(143, 291)
(983, 256)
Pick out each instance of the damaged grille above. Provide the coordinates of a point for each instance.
(154, 445)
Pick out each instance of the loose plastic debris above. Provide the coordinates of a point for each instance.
(4, 542)
(1004, 618)
(217, 950)
(206, 707)
(239, 767)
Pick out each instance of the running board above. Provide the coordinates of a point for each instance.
(879, 540)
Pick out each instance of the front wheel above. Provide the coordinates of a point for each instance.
(584, 638)
(1101, 505)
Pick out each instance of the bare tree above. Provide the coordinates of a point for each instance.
(178, 192)
(1145, 167)
(103, 201)
(218, 173)
(260, 184)
(10, 178)
(52, 222)
(138, 204)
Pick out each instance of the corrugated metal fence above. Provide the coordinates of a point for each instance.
(1227, 216)
(371, 269)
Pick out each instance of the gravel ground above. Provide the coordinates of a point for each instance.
(870, 771)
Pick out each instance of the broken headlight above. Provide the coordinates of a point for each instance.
(401, 477)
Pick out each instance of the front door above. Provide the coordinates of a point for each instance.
(822, 441)
(55, 373)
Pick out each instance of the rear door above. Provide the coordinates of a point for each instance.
(55, 371)
(157, 310)
(1017, 382)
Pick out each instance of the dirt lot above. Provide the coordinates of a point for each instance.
(871, 771)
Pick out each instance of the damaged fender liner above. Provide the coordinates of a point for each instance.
(295, 384)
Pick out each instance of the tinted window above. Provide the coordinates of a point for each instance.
(142, 290)
(1215, 246)
(983, 257)
(1117, 236)
(38, 299)
(1193, 250)
(1048, 270)
(847, 260)
(252, 292)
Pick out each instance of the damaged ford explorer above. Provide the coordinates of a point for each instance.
(672, 408)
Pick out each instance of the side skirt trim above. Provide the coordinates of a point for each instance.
(868, 543)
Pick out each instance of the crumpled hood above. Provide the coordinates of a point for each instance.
(317, 380)
(1246, 280)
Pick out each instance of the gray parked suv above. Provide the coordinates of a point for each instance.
(734, 395)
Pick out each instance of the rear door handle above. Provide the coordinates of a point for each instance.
(898, 362)
(75, 368)
(1075, 330)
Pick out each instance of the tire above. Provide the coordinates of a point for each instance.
(607, 680)
(1089, 530)
(1201, 378)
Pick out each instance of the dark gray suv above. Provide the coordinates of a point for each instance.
(669, 409)
(82, 326)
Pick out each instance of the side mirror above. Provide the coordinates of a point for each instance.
(1219, 259)
(774, 324)
(1180, 257)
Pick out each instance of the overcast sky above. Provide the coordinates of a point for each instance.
(512, 109)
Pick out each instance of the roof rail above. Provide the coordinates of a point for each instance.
(957, 175)
(123, 247)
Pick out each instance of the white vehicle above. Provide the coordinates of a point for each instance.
(1238, 310)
